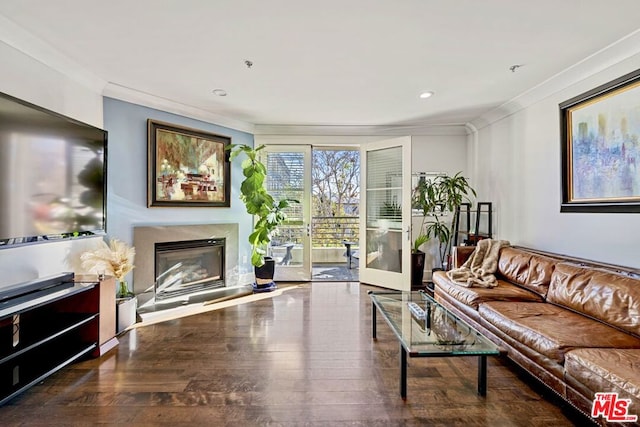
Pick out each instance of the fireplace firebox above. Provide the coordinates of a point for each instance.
(187, 267)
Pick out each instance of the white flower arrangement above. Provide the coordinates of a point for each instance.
(115, 259)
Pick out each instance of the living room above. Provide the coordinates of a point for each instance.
(510, 152)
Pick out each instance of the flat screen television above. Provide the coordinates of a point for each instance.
(52, 175)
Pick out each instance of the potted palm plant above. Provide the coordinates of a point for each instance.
(268, 213)
(434, 198)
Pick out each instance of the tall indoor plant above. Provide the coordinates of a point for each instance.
(436, 197)
(268, 213)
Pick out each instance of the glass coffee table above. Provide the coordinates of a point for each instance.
(427, 329)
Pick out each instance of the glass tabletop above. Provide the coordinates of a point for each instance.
(426, 328)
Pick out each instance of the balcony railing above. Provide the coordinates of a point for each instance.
(331, 231)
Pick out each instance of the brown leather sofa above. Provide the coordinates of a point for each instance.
(573, 324)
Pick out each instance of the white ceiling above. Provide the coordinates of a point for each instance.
(330, 62)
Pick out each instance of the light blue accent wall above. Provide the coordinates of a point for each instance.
(127, 177)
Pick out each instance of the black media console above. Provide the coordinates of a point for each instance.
(45, 325)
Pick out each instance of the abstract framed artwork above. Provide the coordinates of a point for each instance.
(187, 167)
(600, 144)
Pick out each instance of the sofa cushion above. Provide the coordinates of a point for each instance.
(606, 370)
(602, 294)
(526, 269)
(460, 309)
(473, 297)
(551, 330)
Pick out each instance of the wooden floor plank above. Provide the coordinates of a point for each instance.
(303, 358)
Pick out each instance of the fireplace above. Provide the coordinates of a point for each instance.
(188, 266)
(147, 238)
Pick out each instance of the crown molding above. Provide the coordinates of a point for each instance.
(348, 130)
(123, 93)
(471, 128)
(17, 37)
(595, 63)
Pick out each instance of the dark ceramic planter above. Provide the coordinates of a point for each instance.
(417, 269)
(264, 276)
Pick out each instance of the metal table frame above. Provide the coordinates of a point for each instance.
(407, 352)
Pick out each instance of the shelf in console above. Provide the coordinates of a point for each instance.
(64, 323)
(32, 367)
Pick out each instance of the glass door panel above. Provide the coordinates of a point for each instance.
(387, 207)
(289, 176)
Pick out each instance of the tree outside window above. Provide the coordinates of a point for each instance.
(336, 196)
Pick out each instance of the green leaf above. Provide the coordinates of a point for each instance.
(420, 240)
(247, 167)
(260, 168)
(257, 260)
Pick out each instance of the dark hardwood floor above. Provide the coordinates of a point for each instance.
(304, 358)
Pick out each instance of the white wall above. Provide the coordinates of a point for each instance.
(24, 77)
(517, 165)
(438, 153)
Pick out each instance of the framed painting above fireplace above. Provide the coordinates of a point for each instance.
(187, 167)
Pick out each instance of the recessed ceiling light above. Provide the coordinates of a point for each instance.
(425, 95)
(220, 92)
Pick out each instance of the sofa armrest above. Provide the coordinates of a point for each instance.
(460, 254)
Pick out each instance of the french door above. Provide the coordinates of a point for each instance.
(385, 213)
(289, 176)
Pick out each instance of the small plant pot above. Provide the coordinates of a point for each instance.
(125, 313)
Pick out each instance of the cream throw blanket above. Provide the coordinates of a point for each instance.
(477, 271)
